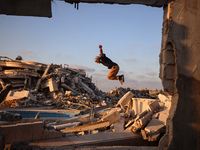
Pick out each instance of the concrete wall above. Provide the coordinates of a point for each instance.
(180, 72)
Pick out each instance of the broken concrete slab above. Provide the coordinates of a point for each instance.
(124, 100)
(111, 117)
(154, 125)
(3, 93)
(142, 122)
(163, 115)
(87, 127)
(27, 131)
(13, 95)
(68, 125)
(154, 105)
(163, 98)
(141, 104)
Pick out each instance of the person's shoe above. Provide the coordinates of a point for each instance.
(121, 79)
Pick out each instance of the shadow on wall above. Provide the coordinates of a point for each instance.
(183, 122)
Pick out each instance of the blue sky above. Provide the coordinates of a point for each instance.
(130, 36)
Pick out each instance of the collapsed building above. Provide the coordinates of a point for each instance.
(40, 82)
(26, 84)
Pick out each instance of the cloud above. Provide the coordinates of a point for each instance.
(131, 46)
(130, 60)
(141, 77)
(26, 52)
(97, 75)
(152, 73)
(131, 72)
(5, 53)
(152, 85)
(83, 67)
(28, 55)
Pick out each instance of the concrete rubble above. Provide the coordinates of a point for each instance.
(26, 84)
(37, 84)
(147, 116)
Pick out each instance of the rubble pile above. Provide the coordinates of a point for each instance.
(142, 93)
(36, 84)
(32, 84)
(147, 116)
(143, 115)
(90, 123)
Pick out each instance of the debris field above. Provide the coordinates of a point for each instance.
(25, 84)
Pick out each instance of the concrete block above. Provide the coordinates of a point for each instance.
(154, 125)
(53, 86)
(168, 57)
(140, 104)
(154, 105)
(23, 131)
(168, 104)
(163, 98)
(125, 99)
(113, 116)
(168, 85)
(50, 134)
(169, 72)
(161, 74)
(19, 95)
(163, 115)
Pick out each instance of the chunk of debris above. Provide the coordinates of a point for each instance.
(7, 116)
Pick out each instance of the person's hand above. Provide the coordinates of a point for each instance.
(100, 46)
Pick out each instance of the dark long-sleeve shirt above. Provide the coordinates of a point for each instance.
(107, 62)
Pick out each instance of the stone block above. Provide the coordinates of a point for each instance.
(23, 131)
(154, 125)
(113, 116)
(163, 98)
(167, 71)
(12, 95)
(168, 57)
(154, 105)
(139, 105)
(125, 99)
(168, 85)
(51, 134)
(163, 115)
(53, 86)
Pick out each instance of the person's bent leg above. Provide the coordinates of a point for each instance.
(112, 75)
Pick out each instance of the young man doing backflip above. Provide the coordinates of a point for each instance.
(114, 68)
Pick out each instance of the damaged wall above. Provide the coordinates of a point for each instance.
(39, 8)
(42, 8)
(180, 73)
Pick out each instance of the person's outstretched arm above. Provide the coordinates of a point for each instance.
(101, 51)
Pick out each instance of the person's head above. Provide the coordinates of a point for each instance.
(97, 59)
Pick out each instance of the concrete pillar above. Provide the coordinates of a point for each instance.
(180, 73)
